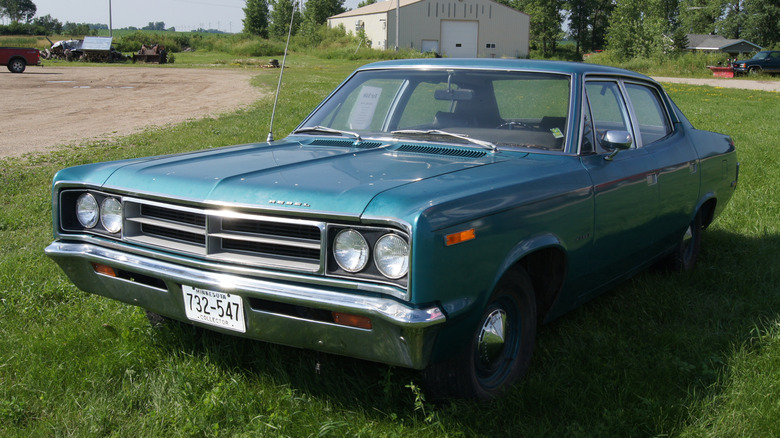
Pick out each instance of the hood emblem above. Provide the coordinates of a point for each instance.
(289, 203)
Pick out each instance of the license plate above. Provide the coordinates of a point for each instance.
(214, 308)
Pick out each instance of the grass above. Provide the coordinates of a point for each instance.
(695, 354)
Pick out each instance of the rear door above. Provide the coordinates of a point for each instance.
(626, 191)
(678, 164)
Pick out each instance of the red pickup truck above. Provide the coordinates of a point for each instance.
(17, 58)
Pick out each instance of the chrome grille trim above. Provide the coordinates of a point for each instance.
(255, 240)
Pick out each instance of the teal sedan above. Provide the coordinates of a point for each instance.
(427, 214)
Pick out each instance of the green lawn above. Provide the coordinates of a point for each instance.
(694, 354)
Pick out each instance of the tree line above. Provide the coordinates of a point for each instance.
(629, 28)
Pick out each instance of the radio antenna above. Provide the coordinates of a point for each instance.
(281, 72)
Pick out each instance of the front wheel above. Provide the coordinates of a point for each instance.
(754, 71)
(17, 65)
(499, 350)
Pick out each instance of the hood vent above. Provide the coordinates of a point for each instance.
(436, 150)
(346, 143)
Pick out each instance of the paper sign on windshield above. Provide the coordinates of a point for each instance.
(363, 112)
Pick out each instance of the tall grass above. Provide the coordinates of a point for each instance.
(687, 64)
(694, 354)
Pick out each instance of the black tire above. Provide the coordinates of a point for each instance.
(687, 252)
(498, 352)
(754, 71)
(17, 65)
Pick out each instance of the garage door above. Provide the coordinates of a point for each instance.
(459, 38)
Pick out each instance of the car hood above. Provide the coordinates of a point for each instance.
(325, 176)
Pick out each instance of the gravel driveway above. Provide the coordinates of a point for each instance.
(745, 84)
(46, 107)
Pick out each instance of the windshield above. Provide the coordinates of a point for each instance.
(760, 55)
(506, 109)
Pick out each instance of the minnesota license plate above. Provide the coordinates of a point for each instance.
(214, 308)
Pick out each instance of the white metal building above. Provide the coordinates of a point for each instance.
(453, 28)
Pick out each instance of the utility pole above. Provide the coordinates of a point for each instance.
(397, 21)
(110, 21)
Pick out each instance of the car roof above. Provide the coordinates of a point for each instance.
(567, 67)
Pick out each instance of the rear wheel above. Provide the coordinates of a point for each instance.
(498, 352)
(687, 252)
(17, 65)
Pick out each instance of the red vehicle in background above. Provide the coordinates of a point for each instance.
(17, 59)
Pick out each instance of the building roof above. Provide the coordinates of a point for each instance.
(713, 42)
(376, 8)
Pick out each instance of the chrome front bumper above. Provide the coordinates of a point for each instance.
(400, 335)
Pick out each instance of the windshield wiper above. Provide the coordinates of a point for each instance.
(327, 130)
(485, 144)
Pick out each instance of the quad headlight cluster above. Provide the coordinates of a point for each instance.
(92, 211)
(354, 251)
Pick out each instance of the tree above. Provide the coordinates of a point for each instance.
(641, 28)
(281, 14)
(318, 11)
(256, 18)
(366, 3)
(700, 16)
(546, 23)
(18, 10)
(762, 22)
(78, 29)
(158, 25)
(50, 26)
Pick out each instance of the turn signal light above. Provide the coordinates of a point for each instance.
(462, 236)
(352, 320)
(103, 269)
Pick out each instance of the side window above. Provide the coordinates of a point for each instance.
(650, 114)
(607, 107)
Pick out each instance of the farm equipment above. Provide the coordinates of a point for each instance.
(152, 55)
(90, 49)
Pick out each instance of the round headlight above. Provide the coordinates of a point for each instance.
(350, 250)
(111, 215)
(87, 210)
(391, 255)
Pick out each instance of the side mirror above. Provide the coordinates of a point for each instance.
(617, 141)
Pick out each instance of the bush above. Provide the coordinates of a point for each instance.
(257, 47)
(675, 64)
(172, 41)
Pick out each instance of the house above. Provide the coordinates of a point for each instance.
(717, 43)
(453, 28)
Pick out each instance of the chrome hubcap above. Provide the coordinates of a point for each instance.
(492, 338)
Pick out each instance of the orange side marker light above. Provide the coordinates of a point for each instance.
(462, 236)
(103, 269)
(352, 320)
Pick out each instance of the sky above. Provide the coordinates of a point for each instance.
(184, 15)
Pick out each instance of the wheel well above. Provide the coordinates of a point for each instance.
(547, 269)
(708, 212)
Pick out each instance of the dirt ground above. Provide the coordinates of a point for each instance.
(46, 107)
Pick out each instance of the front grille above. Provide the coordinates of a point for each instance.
(255, 240)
